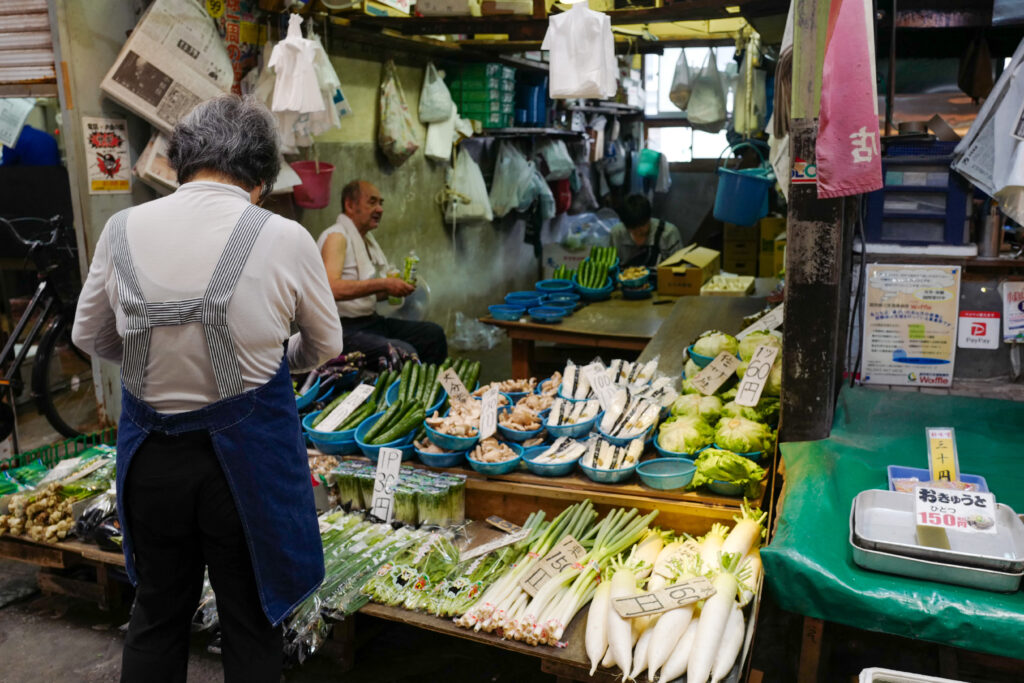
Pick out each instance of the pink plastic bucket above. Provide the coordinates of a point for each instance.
(315, 190)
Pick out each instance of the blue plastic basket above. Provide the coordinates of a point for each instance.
(742, 196)
(494, 468)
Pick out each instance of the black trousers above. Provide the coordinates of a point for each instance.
(371, 334)
(183, 518)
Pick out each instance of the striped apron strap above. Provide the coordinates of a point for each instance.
(226, 369)
(133, 303)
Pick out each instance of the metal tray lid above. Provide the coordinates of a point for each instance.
(884, 520)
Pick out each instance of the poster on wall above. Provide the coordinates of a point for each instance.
(1013, 312)
(106, 151)
(910, 324)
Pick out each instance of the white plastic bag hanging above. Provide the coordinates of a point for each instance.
(582, 54)
(679, 94)
(467, 199)
(396, 136)
(295, 86)
(512, 178)
(441, 137)
(557, 164)
(435, 100)
(706, 108)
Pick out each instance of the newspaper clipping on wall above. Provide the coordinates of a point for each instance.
(173, 60)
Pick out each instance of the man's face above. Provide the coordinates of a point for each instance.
(367, 209)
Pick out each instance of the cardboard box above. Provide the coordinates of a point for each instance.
(746, 286)
(771, 264)
(742, 265)
(683, 273)
(740, 233)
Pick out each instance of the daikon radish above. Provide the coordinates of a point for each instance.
(677, 663)
(732, 643)
(711, 546)
(596, 640)
(609, 658)
(752, 564)
(713, 618)
(746, 535)
(667, 633)
(619, 630)
(640, 654)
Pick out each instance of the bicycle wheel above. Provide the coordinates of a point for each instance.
(62, 382)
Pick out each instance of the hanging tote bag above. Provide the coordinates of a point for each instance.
(435, 100)
(396, 136)
(706, 108)
(679, 94)
(467, 194)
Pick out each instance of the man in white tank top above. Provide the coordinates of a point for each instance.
(355, 269)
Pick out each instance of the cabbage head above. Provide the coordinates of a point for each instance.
(709, 408)
(773, 385)
(685, 434)
(740, 435)
(713, 342)
(691, 368)
(748, 345)
(766, 410)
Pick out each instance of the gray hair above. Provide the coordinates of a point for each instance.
(230, 135)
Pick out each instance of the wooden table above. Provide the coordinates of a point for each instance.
(612, 324)
(59, 562)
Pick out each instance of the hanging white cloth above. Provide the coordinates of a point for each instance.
(582, 54)
(295, 86)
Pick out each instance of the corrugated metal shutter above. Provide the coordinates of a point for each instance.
(26, 49)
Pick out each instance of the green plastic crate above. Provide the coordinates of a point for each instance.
(492, 97)
(69, 448)
(488, 70)
(490, 83)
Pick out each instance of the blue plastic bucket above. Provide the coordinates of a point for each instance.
(742, 196)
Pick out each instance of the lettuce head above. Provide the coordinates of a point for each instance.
(748, 345)
(685, 434)
(708, 408)
(766, 410)
(740, 435)
(715, 464)
(713, 342)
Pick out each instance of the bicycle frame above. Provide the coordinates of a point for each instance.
(42, 294)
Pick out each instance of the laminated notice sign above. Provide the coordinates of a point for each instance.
(173, 60)
(910, 324)
(106, 148)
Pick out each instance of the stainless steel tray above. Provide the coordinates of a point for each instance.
(972, 577)
(884, 521)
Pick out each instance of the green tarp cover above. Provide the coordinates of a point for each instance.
(809, 565)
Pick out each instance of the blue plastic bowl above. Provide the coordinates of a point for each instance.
(635, 294)
(524, 299)
(623, 440)
(519, 435)
(573, 430)
(506, 312)
(566, 309)
(666, 474)
(752, 455)
(441, 459)
(563, 298)
(574, 400)
(608, 476)
(497, 467)
(449, 442)
(551, 286)
(699, 359)
(546, 314)
(636, 282)
(326, 437)
(665, 453)
(304, 400)
(725, 488)
(541, 384)
(391, 395)
(558, 469)
(592, 294)
(372, 451)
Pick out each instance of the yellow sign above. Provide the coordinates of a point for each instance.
(215, 8)
(943, 463)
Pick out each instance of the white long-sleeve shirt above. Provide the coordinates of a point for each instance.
(175, 243)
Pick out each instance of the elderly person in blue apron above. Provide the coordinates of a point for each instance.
(640, 239)
(194, 296)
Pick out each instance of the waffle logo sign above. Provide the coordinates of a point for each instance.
(978, 330)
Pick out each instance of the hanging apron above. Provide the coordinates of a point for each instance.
(255, 433)
(649, 255)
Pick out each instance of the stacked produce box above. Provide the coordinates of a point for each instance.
(485, 93)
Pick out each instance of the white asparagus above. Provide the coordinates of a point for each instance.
(667, 632)
(619, 633)
(732, 643)
(596, 640)
(679, 661)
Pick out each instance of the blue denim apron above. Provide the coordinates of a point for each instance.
(255, 434)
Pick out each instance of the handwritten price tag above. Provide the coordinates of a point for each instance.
(679, 595)
(503, 524)
(346, 408)
(943, 461)
(453, 385)
(600, 384)
(385, 480)
(749, 391)
(563, 555)
(714, 375)
(497, 543)
(955, 510)
(768, 322)
(489, 413)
